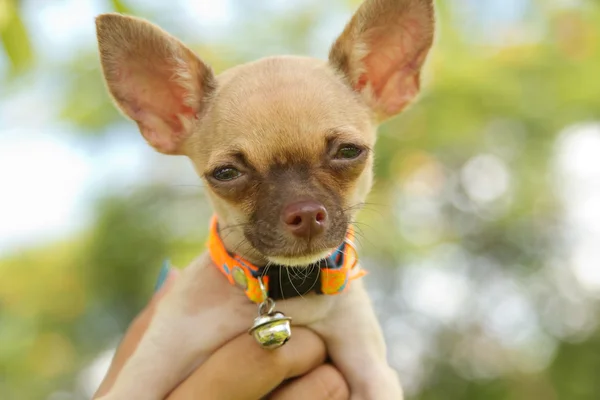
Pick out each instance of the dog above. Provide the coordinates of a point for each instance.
(284, 146)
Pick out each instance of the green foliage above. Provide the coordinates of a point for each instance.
(14, 37)
(64, 303)
(126, 245)
(122, 7)
(85, 103)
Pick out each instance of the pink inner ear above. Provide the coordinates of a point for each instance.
(393, 65)
(150, 96)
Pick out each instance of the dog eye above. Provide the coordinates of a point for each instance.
(226, 174)
(348, 152)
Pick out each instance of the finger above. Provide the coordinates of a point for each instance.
(242, 370)
(323, 383)
(134, 333)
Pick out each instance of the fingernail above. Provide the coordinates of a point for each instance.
(162, 276)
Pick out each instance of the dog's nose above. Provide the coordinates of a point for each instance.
(305, 219)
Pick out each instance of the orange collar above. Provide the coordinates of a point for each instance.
(332, 277)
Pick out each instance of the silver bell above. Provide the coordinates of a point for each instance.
(271, 330)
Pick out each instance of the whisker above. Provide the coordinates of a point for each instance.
(294, 286)
(294, 271)
(232, 226)
(366, 207)
(266, 269)
(281, 285)
(359, 234)
(240, 244)
(227, 234)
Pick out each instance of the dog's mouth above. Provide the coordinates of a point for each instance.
(281, 249)
(297, 255)
(299, 261)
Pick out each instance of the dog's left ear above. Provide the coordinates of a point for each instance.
(382, 49)
(154, 79)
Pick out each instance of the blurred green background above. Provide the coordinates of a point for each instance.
(482, 233)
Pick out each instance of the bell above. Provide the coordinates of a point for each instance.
(271, 330)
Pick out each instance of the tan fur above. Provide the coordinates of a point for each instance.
(404, 29)
(153, 78)
(275, 108)
(279, 121)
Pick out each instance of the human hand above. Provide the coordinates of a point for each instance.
(241, 369)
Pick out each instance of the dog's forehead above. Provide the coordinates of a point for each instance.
(284, 107)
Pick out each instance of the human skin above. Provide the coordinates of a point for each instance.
(241, 369)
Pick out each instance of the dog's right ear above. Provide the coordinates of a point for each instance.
(154, 79)
(381, 52)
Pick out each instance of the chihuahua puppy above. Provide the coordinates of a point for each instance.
(284, 147)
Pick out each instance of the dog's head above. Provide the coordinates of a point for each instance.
(283, 144)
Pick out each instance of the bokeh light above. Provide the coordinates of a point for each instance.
(481, 235)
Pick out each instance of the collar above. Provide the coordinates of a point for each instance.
(332, 277)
